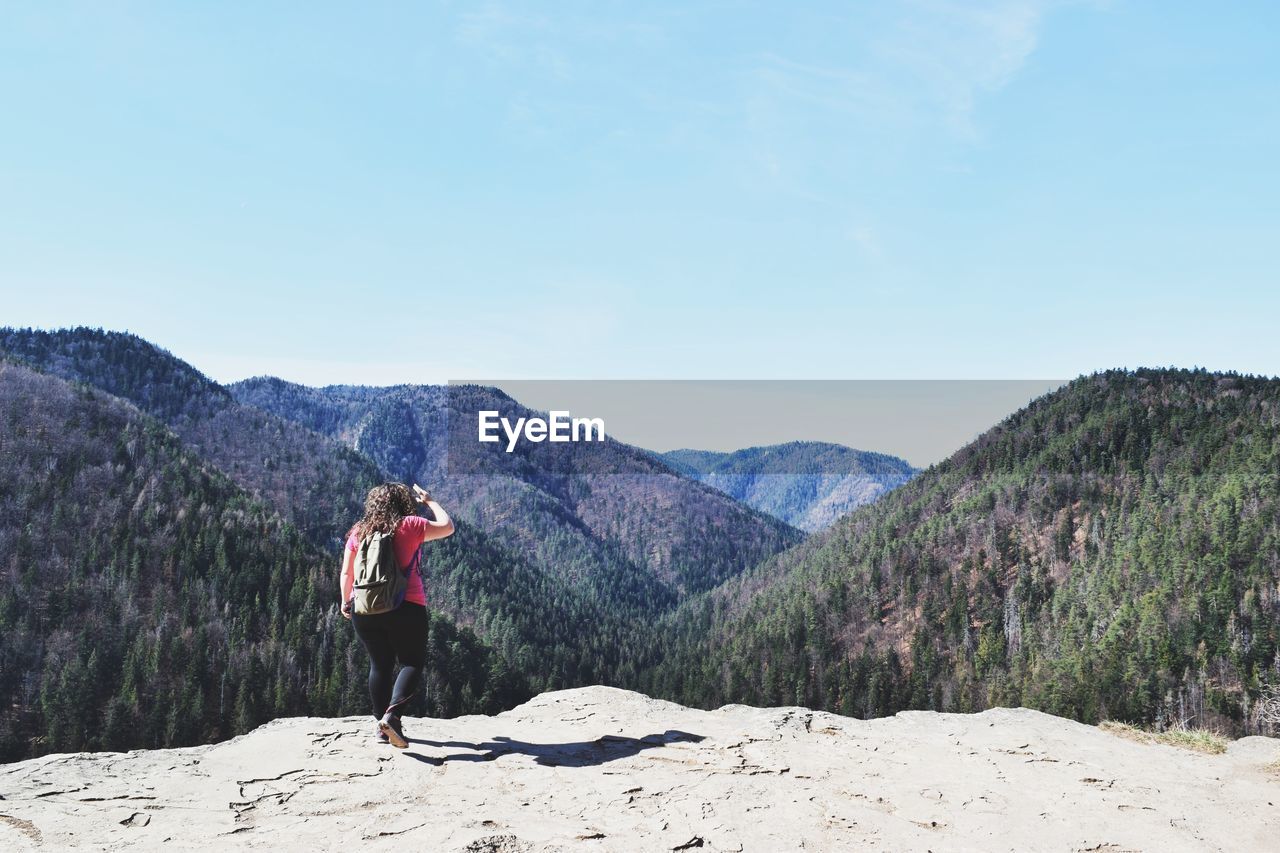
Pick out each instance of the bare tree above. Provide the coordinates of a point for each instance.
(1268, 709)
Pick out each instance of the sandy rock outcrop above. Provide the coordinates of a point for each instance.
(600, 769)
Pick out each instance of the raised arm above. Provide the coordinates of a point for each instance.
(440, 524)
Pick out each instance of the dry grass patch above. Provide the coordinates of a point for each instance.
(1196, 740)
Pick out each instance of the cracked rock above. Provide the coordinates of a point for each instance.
(602, 769)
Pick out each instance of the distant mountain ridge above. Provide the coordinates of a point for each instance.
(808, 484)
(585, 502)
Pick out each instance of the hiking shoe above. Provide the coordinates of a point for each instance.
(378, 734)
(389, 725)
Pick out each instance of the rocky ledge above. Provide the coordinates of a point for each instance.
(600, 769)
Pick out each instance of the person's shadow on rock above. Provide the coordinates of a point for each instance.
(573, 754)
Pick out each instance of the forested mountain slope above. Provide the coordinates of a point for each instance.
(551, 629)
(314, 481)
(147, 600)
(808, 484)
(1112, 550)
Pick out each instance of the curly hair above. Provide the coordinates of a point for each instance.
(383, 509)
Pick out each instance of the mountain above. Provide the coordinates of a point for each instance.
(547, 628)
(603, 514)
(608, 770)
(1111, 550)
(607, 522)
(808, 484)
(314, 481)
(148, 600)
(557, 569)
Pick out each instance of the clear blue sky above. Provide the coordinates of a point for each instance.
(1014, 189)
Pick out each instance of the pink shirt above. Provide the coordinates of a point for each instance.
(408, 539)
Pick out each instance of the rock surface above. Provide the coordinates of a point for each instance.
(600, 769)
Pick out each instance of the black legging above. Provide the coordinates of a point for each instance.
(398, 634)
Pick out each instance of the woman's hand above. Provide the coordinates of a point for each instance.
(439, 525)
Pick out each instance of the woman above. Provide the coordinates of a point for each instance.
(399, 634)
